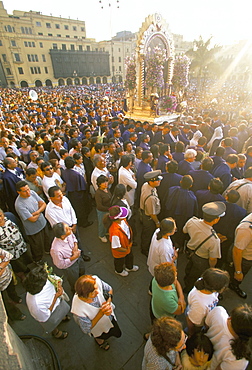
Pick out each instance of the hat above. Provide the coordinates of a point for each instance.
(153, 176)
(122, 214)
(214, 209)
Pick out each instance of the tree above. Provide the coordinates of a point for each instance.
(203, 58)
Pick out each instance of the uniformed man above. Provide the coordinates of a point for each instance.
(242, 255)
(203, 241)
(150, 208)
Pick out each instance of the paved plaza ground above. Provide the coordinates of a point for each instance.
(131, 299)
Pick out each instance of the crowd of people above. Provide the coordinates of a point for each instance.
(187, 183)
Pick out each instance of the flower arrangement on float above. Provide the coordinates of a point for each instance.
(130, 80)
(154, 65)
(168, 103)
(180, 72)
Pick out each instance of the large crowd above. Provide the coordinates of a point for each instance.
(188, 183)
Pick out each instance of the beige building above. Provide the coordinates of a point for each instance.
(42, 50)
(121, 46)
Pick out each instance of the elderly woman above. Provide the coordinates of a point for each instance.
(11, 240)
(166, 340)
(93, 309)
(45, 303)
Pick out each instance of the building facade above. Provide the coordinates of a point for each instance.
(40, 50)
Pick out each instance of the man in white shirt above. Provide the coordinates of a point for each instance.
(50, 178)
(59, 209)
(127, 178)
(100, 169)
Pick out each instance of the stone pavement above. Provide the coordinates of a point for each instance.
(131, 299)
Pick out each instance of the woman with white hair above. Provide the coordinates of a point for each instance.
(185, 166)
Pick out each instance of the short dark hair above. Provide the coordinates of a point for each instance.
(30, 171)
(220, 151)
(101, 179)
(186, 182)
(69, 162)
(200, 342)
(125, 160)
(172, 166)
(165, 273)
(51, 191)
(216, 186)
(207, 164)
(44, 165)
(20, 184)
(233, 196)
(232, 158)
(145, 154)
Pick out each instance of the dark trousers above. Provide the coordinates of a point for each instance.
(148, 228)
(21, 264)
(113, 332)
(73, 272)
(127, 261)
(246, 266)
(38, 243)
(194, 268)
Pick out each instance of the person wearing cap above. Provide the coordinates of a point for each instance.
(120, 236)
(205, 240)
(150, 208)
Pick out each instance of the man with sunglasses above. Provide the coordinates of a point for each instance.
(51, 178)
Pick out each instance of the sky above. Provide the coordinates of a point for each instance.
(227, 21)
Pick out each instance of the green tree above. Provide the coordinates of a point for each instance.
(203, 59)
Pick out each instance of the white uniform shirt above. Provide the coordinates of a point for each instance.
(125, 177)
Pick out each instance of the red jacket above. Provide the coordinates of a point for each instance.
(116, 230)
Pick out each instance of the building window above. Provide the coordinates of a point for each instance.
(46, 70)
(38, 24)
(120, 69)
(68, 36)
(75, 37)
(88, 48)
(72, 47)
(17, 57)
(82, 29)
(26, 44)
(4, 56)
(13, 43)
(119, 59)
(20, 70)
(80, 47)
(50, 34)
(33, 44)
(55, 46)
(57, 26)
(8, 71)
(63, 46)
(40, 33)
(43, 58)
(58, 35)
(96, 49)
(119, 50)
(1, 44)
(48, 25)
(9, 28)
(113, 59)
(35, 70)
(32, 57)
(29, 57)
(74, 28)
(66, 27)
